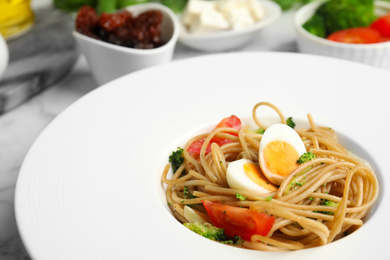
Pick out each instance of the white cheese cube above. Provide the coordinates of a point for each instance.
(240, 18)
(225, 5)
(194, 8)
(256, 9)
(237, 12)
(202, 16)
(209, 21)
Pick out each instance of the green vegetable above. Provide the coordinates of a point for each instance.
(185, 191)
(176, 159)
(237, 240)
(207, 230)
(124, 3)
(72, 5)
(269, 198)
(260, 131)
(328, 203)
(106, 6)
(109, 6)
(306, 157)
(290, 122)
(211, 232)
(240, 197)
(341, 14)
(176, 6)
(316, 25)
(285, 4)
(294, 183)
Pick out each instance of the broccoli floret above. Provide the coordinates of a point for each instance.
(260, 131)
(315, 25)
(236, 240)
(207, 230)
(176, 159)
(306, 157)
(240, 197)
(216, 234)
(343, 14)
(328, 203)
(290, 122)
(285, 4)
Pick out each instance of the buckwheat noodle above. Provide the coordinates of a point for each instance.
(335, 174)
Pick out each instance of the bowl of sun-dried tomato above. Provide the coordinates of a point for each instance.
(128, 40)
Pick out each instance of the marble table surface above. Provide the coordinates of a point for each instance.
(21, 126)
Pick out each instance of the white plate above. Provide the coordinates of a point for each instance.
(90, 188)
(230, 39)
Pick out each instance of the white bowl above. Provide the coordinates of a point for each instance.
(377, 54)
(230, 39)
(4, 55)
(109, 61)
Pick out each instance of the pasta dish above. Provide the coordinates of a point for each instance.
(273, 188)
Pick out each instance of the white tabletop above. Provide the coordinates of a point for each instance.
(21, 126)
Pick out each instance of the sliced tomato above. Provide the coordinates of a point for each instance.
(196, 146)
(356, 35)
(384, 39)
(230, 122)
(112, 21)
(239, 221)
(382, 24)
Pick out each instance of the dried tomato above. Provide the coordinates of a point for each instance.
(87, 22)
(110, 22)
(121, 28)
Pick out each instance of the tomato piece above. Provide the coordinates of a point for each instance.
(110, 22)
(384, 39)
(359, 35)
(239, 221)
(230, 122)
(382, 24)
(196, 146)
(87, 21)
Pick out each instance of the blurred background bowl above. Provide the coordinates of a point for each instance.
(230, 39)
(109, 61)
(375, 54)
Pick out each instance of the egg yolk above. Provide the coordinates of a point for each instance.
(254, 173)
(280, 157)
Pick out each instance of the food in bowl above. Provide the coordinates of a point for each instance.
(122, 28)
(201, 16)
(358, 35)
(377, 54)
(349, 21)
(269, 188)
(109, 61)
(382, 24)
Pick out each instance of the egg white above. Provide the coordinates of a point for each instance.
(283, 133)
(237, 179)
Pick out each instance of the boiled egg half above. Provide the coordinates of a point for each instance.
(280, 148)
(246, 175)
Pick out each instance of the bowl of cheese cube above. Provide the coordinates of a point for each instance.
(222, 25)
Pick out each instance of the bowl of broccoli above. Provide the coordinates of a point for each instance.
(344, 29)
